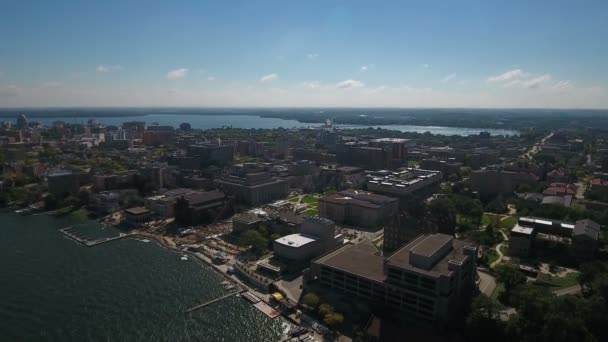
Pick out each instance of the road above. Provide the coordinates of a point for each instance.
(487, 283)
(537, 147)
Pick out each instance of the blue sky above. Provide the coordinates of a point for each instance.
(304, 53)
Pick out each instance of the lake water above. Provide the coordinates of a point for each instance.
(252, 121)
(54, 289)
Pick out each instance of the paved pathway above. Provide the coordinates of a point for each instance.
(487, 283)
(497, 248)
(572, 290)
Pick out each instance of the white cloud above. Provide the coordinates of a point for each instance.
(507, 76)
(350, 84)
(311, 84)
(177, 74)
(268, 78)
(425, 66)
(367, 67)
(53, 84)
(536, 82)
(448, 78)
(211, 78)
(562, 85)
(312, 56)
(108, 68)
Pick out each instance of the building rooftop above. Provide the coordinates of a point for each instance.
(361, 259)
(431, 244)
(137, 211)
(522, 230)
(430, 254)
(295, 240)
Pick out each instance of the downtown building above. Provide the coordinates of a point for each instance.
(359, 208)
(428, 281)
(251, 184)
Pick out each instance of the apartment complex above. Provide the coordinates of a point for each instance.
(426, 281)
(360, 208)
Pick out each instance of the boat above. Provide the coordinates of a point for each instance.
(184, 257)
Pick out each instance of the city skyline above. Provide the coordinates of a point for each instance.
(342, 54)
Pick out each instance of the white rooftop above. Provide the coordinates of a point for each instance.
(294, 240)
(522, 230)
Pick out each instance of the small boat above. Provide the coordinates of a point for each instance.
(184, 257)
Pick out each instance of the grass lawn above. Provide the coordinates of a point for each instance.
(310, 200)
(568, 280)
(491, 255)
(490, 218)
(293, 199)
(311, 212)
(508, 223)
(500, 288)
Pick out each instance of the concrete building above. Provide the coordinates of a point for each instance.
(359, 208)
(404, 182)
(427, 281)
(365, 156)
(163, 205)
(397, 146)
(63, 183)
(106, 201)
(137, 216)
(446, 167)
(199, 207)
(253, 185)
(317, 236)
(211, 154)
(494, 182)
(583, 236)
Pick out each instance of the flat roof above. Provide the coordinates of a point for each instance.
(137, 210)
(295, 240)
(401, 258)
(361, 259)
(522, 230)
(431, 244)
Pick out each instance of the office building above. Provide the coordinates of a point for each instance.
(359, 208)
(404, 182)
(364, 156)
(63, 183)
(251, 184)
(207, 154)
(427, 281)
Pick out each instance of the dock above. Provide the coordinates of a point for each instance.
(83, 239)
(200, 306)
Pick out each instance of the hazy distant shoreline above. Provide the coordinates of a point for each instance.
(513, 119)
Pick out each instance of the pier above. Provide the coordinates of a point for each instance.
(200, 306)
(76, 236)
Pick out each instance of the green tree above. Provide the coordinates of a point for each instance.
(50, 202)
(511, 278)
(324, 309)
(333, 319)
(311, 300)
(483, 323)
(254, 239)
